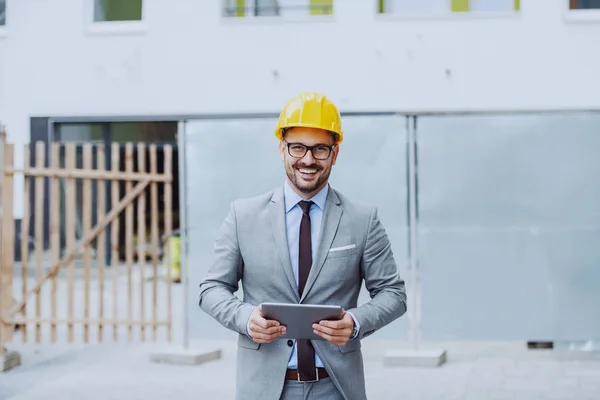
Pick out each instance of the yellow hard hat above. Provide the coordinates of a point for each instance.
(310, 110)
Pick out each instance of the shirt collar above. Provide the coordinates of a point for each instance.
(292, 198)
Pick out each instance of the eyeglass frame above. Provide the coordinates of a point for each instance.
(331, 148)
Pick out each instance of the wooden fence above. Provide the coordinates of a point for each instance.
(66, 290)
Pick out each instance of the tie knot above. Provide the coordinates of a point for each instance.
(305, 206)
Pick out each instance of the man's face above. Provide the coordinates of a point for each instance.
(307, 174)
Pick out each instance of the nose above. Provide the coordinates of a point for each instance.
(308, 158)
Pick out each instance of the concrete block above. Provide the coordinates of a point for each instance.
(414, 358)
(185, 357)
(10, 360)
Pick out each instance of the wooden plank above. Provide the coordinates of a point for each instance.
(86, 225)
(154, 236)
(54, 233)
(101, 240)
(70, 221)
(129, 240)
(70, 255)
(8, 242)
(40, 159)
(91, 174)
(141, 238)
(168, 204)
(115, 195)
(25, 234)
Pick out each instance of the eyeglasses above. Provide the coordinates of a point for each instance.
(319, 152)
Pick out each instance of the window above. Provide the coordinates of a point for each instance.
(122, 132)
(117, 10)
(584, 4)
(441, 7)
(79, 133)
(247, 8)
(2, 12)
(150, 131)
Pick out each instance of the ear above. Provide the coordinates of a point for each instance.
(336, 150)
(282, 150)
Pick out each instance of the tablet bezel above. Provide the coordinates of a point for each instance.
(298, 318)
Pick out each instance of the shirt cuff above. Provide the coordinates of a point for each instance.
(248, 325)
(355, 324)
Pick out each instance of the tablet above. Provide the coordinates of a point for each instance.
(299, 318)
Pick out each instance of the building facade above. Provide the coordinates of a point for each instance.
(499, 95)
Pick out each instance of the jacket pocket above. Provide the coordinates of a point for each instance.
(350, 346)
(247, 343)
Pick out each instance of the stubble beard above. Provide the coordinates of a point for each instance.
(307, 187)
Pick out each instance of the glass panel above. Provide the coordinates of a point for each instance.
(407, 7)
(266, 7)
(149, 131)
(2, 12)
(371, 168)
(509, 226)
(117, 10)
(584, 4)
(79, 133)
(294, 7)
(491, 5)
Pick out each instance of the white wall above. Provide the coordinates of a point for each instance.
(190, 60)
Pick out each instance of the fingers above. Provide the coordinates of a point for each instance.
(341, 324)
(272, 330)
(263, 330)
(345, 322)
(333, 332)
(336, 332)
(263, 337)
(339, 340)
(263, 323)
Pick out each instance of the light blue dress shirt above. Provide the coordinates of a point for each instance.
(293, 217)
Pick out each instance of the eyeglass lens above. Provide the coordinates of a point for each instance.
(320, 152)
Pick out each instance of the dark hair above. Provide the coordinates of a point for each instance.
(334, 135)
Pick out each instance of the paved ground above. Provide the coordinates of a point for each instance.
(491, 371)
(124, 371)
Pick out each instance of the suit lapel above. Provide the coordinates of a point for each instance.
(329, 226)
(277, 216)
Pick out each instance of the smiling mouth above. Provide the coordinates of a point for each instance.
(307, 171)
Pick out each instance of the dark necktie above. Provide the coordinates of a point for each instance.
(306, 352)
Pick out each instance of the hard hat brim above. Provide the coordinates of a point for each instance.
(279, 135)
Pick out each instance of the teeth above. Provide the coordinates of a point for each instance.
(308, 171)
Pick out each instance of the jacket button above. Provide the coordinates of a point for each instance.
(290, 343)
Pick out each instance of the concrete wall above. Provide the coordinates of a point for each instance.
(190, 60)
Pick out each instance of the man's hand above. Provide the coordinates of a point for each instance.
(263, 330)
(336, 332)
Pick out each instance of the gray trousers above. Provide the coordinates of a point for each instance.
(323, 389)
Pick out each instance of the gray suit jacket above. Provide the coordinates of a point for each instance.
(252, 247)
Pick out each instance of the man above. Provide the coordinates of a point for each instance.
(305, 243)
